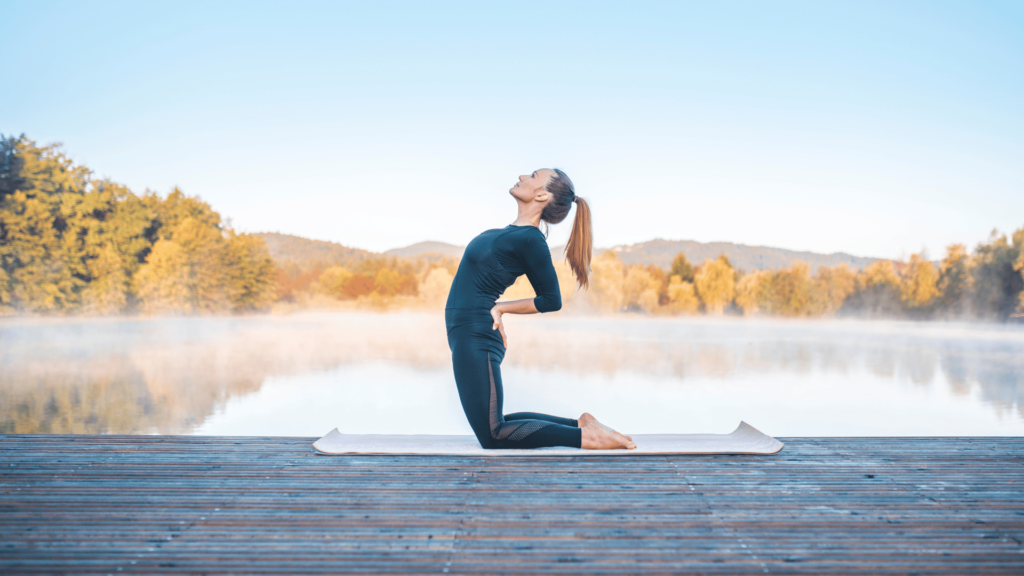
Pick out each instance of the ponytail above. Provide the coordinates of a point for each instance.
(581, 244)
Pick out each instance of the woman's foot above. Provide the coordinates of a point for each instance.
(599, 437)
(587, 417)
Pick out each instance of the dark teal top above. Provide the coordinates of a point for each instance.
(493, 261)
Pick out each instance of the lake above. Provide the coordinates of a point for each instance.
(303, 374)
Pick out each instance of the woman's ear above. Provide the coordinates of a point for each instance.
(542, 195)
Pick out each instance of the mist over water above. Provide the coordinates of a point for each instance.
(304, 374)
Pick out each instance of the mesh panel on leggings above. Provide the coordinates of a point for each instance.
(505, 430)
(528, 428)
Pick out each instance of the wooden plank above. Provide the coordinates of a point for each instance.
(202, 505)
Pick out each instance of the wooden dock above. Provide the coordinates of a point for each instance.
(220, 505)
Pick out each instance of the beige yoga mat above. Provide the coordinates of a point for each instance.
(744, 440)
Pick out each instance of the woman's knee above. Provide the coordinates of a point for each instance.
(486, 442)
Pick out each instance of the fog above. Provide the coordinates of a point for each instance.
(303, 374)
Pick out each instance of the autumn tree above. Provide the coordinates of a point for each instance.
(1019, 267)
(117, 231)
(832, 286)
(997, 284)
(251, 273)
(662, 279)
(606, 282)
(919, 282)
(293, 279)
(435, 287)
(385, 281)
(792, 292)
(750, 291)
(681, 267)
(877, 291)
(44, 269)
(716, 284)
(164, 283)
(640, 289)
(955, 281)
(682, 296)
(356, 286)
(332, 281)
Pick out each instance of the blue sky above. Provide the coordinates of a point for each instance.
(875, 128)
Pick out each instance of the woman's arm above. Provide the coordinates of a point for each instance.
(524, 306)
(535, 258)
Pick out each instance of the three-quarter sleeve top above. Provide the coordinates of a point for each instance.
(493, 261)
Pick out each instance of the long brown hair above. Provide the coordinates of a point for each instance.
(581, 243)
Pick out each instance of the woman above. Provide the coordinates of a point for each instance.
(476, 335)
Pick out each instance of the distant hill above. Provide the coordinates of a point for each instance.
(661, 252)
(304, 252)
(427, 250)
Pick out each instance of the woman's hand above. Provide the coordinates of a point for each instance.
(496, 315)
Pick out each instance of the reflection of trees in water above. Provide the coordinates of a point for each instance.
(117, 393)
(997, 371)
(168, 376)
(993, 365)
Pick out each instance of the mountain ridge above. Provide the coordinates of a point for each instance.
(305, 251)
(743, 256)
(660, 252)
(428, 247)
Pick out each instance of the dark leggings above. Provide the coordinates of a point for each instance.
(477, 353)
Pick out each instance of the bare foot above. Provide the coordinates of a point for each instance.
(587, 417)
(598, 437)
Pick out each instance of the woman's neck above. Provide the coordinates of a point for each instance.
(528, 217)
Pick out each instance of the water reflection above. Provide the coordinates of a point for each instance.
(390, 373)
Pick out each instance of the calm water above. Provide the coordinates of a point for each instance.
(390, 373)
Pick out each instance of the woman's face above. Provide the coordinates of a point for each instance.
(530, 185)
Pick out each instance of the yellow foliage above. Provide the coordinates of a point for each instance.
(108, 292)
(832, 286)
(250, 280)
(43, 280)
(716, 285)
(435, 287)
(640, 289)
(919, 285)
(332, 281)
(749, 292)
(1019, 267)
(519, 290)
(188, 274)
(682, 296)
(791, 290)
(879, 274)
(162, 284)
(5, 293)
(955, 279)
(70, 243)
(606, 282)
(385, 282)
(567, 283)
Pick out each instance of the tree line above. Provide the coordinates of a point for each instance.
(74, 244)
(986, 283)
(71, 244)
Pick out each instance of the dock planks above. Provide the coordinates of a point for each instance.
(244, 505)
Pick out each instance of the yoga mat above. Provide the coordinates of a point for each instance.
(744, 440)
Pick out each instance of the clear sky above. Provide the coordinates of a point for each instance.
(874, 128)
